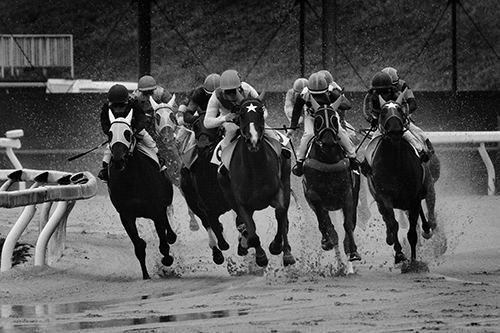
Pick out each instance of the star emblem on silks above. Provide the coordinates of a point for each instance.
(252, 108)
(392, 105)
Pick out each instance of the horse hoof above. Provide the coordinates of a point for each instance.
(389, 239)
(242, 251)
(167, 261)
(327, 245)
(275, 248)
(288, 259)
(217, 256)
(354, 256)
(427, 235)
(260, 257)
(171, 237)
(223, 245)
(146, 277)
(400, 257)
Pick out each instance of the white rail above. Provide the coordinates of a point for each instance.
(472, 137)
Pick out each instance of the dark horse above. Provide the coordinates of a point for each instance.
(202, 191)
(258, 177)
(198, 177)
(138, 189)
(329, 184)
(400, 180)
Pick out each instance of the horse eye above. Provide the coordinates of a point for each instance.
(128, 135)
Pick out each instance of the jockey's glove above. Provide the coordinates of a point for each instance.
(374, 123)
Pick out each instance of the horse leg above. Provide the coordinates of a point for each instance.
(330, 238)
(218, 230)
(253, 239)
(412, 231)
(128, 223)
(430, 202)
(242, 237)
(350, 247)
(161, 224)
(392, 228)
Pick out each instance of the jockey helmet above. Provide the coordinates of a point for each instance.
(230, 79)
(381, 80)
(147, 83)
(317, 83)
(211, 83)
(393, 73)
(328, 76)
(117, 94)
(299, 85)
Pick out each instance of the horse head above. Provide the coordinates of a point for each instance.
(326, 126)
(164, 114)
(393, 121)
(251, 120)
(121, 139)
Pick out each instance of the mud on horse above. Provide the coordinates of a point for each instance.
(258, 177)
(198, 178)
(138, 189)
(400, 180)
(329, 183)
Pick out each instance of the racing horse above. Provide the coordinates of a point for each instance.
(328, 182)
(198, 180)
(399, 179)
(137, 188)
(257, 177)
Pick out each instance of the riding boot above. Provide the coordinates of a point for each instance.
(429, 145)
(162, 162)
(424, 156)
(103, 174)
(298, 169)
(354, 163)
(366, 169)
(223, 170)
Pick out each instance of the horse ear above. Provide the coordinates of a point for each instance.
(335, 105)
(314, 104)
(153, 103)
(111, 116)
(381, 100)
(128, 118)
(402, 96)
(171, 102)
(262, 95)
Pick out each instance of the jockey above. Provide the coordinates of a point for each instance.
(336, 90)
(318, 89)
(120, 104)
(291, 97)
(224, 100)
(382, 86)
(198, 101)
(147, 87)
(401, 85)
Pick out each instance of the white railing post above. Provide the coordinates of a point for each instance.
(479, 137)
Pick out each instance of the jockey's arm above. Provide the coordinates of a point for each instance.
(105, 122)
(289, 104)
(297, 111)
(189, 114)
(139, 119)
(212, 117)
